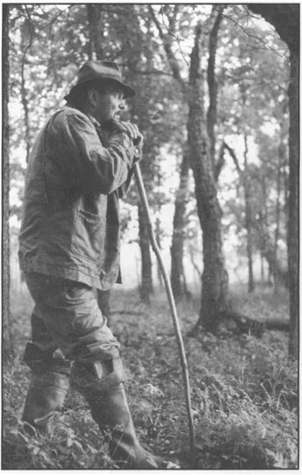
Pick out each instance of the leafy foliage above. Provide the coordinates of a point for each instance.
(244, 393)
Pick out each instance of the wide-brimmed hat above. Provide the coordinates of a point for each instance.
(100, 72)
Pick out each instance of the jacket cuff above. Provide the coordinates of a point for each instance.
(125, 141)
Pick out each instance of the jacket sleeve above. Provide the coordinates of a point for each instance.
(105, 138)
(125, 186)
(102, 170)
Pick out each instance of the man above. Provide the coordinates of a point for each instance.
(80, 164)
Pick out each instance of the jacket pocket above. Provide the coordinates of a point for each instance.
(88, 236)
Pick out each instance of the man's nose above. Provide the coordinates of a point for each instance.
(122, 104)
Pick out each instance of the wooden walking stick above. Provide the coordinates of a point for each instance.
(144, 201)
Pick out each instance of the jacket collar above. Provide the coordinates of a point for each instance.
(95, 122)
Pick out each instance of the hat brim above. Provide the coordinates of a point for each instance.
(127, 90)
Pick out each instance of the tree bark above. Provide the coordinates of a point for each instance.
(146, 288)
(286, 19)
(7, 347)
(293, 202)
(263, 225)
(158, 241)
(248, 218)
(215, 290)
(96, 33)
(177, 270)
(25, 108)
(239, 323)
(268, 252)
(212, 84)
(277, 228)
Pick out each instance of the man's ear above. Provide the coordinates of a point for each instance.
(92, 96)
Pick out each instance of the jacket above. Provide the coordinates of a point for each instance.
(70, 225)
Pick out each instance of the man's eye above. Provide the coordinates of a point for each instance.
(118, 94)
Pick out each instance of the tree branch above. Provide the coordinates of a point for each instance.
(285, 19)
(234, 157)
(220, 162)
(149, 73)
(167, 47)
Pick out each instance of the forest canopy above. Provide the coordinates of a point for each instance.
(240, 84)
(50, 42)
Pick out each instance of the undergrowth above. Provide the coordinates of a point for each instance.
(243, 390)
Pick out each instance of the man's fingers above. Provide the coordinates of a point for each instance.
(133, 132)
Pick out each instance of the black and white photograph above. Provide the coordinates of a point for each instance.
(150, 236)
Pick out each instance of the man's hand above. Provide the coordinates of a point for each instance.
(133, 132)
(130, 129)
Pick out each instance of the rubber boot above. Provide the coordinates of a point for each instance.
(44, 399)
(110, 410)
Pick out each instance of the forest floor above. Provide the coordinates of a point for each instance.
(244, 391)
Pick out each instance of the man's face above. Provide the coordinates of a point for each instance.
(108, 104)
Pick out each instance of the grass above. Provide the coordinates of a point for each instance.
(243, 389)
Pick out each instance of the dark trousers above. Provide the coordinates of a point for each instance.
(67, 324)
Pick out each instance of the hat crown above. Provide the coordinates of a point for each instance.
(99, 70)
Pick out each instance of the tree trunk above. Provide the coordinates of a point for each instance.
(262, 267)
(146, 288)
(248, 218)
(260, 225)
(212, 84)
(25, 108)
(6, 328)
(215, 291)
(277, 229)
(95, 31)
(245, 182)
(177, 270)
(96, 49)
(293, 201)
(268, 253)
(286, 19)
(158, 241)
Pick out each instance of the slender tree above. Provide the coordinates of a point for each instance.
(246, 184)
(248, 218)
(177, 247)
(212, 82)
(215, 291)
(6, 337)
